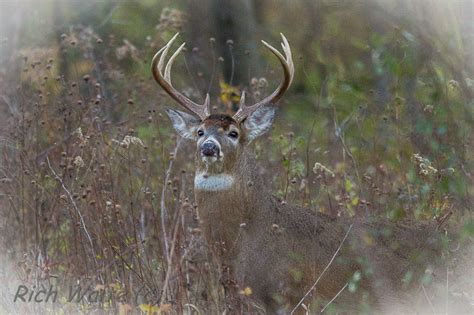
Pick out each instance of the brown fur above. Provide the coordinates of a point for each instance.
(219, 120)
(279, 250)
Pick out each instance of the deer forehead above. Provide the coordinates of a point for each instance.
(220, 121)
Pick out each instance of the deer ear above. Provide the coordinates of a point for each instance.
(184, 123)
(259, 122)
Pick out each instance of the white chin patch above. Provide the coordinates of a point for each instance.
(216, 182)
(209, 159)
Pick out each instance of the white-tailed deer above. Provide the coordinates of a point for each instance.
(275, 249)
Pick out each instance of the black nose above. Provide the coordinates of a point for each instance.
(209, 149)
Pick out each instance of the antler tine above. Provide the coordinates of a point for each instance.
(164, 80)
(288, 71)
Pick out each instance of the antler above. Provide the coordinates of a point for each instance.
(288, 70)
(202, 111)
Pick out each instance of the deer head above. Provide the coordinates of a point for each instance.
(220, 138)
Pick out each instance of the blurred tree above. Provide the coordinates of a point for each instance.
(229, 27)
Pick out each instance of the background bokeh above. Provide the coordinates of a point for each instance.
(378, 123)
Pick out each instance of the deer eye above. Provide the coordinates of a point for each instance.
(234, 134)
(200, 133)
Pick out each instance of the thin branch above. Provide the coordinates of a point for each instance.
(447, 290)
(193, 307)
(332, 300)
(232, 59)
(81, 217)
(322, 273)
(109, 16)
(428, 299)
(13, 109)
(171, 254)
(213, 73)
(164, 211)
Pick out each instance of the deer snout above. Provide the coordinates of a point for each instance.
(210, 149)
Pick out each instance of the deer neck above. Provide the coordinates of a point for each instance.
(228, 202)
(206, 182)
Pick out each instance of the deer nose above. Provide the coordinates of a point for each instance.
(209, 148)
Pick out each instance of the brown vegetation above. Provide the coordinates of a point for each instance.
(96, 189)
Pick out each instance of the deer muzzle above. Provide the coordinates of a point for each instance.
(210, 149)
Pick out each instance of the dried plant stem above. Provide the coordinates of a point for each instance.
(288, 170)
(170, 255)
(428, 299)
(322, 273)
(308, 167)
(232, 59)
(311, 132)
(447, 290)
(164, 211)
(335, 297)
(81, 217)
(213, 73)
(193, 307)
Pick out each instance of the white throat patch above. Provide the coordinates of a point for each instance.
(218, 182)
